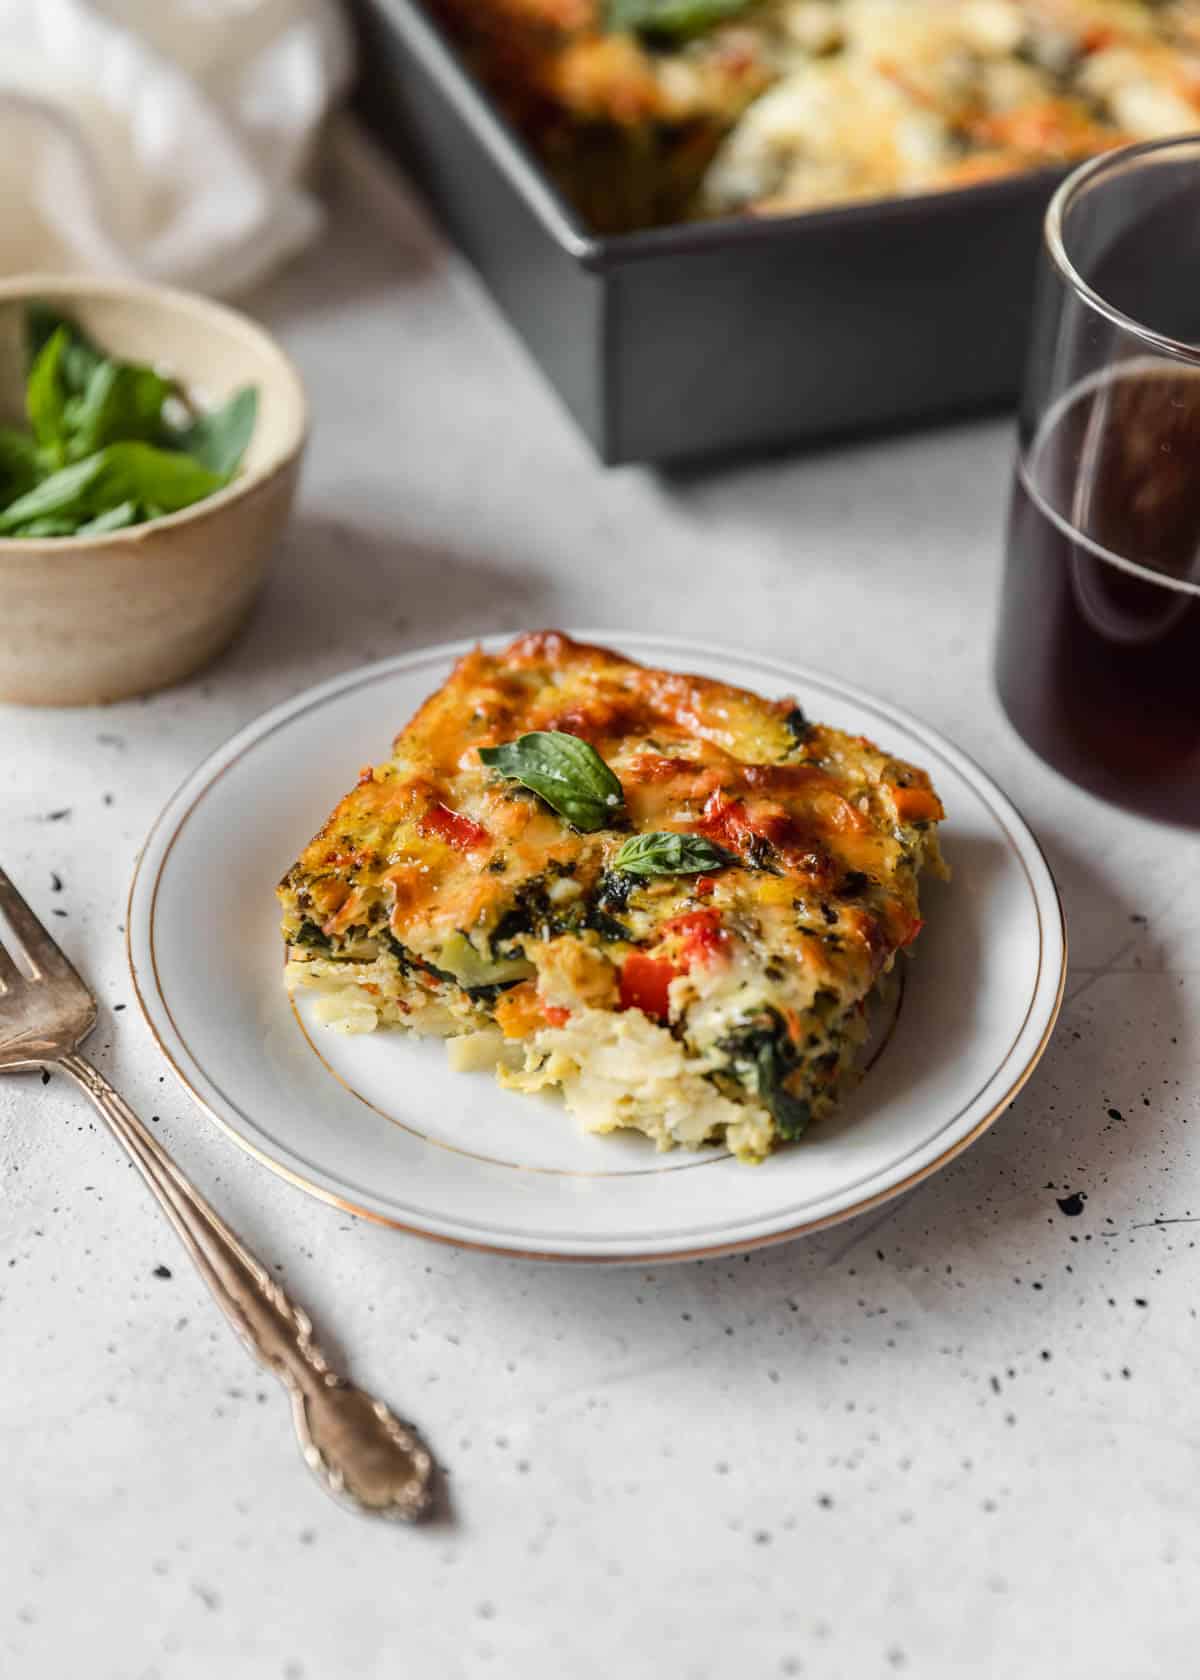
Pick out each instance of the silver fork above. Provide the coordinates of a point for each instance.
(359, 1452)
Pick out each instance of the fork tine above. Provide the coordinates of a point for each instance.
(10, 974)
(41, 950)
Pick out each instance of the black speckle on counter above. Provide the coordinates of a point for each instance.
(162, 1271)
(108, 799)
(58, 912)
(56, 883)
(45, 1076)
(1072, 1205)
(1140, 1301)
(1115, 1114)
(1138, 920)
(825, 1501)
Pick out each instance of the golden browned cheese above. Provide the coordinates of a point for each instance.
(828, 829)
(777, 106)
(558, 53)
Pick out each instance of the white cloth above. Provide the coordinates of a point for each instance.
(162, 138)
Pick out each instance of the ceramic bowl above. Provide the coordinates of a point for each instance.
(88, 619)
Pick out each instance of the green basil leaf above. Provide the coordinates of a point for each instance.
(80, 356)
(45, 528)
(62, 495)
(46, 396)
(218, 437)
(670, 19)
(122, 403)
(566, 772)
(18, 463)
(113, 519)
(119, 473)
(665, 853)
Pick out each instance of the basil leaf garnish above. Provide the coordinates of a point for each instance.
(672, 19)
(564, 771)
(670, 854)
(218, 437)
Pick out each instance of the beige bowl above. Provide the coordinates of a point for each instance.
(86, 619)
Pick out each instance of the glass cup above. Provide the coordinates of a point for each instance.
(1098, 658)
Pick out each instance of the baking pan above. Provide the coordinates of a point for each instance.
(724, 337)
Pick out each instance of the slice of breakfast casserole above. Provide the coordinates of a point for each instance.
(666, 896)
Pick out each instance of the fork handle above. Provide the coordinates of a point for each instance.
(356, 1448)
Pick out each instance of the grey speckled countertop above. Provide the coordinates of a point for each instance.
(957, 1437)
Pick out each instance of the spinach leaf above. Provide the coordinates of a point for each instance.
(122, 472)
(608, 927)
(670, 19)
(308, 933)
(792, 1114)
(613, 890)
(760, 854)
(761, 1056)
(797, 726)
(565, 772)
(665, 853)
(218, 437)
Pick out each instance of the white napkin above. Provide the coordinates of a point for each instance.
(162, 138)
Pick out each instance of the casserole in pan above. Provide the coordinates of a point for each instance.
(721, 334)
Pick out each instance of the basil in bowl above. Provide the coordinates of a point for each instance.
(150, 443)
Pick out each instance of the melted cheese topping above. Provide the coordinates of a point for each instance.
(807, 103)
(443, 897)
(438, 849)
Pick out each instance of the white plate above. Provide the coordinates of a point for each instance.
(379, 1125)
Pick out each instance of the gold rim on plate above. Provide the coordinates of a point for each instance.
(289, 711)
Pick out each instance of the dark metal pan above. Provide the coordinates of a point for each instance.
(723, 337)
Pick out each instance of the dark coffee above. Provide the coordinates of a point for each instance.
(1098, 663)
